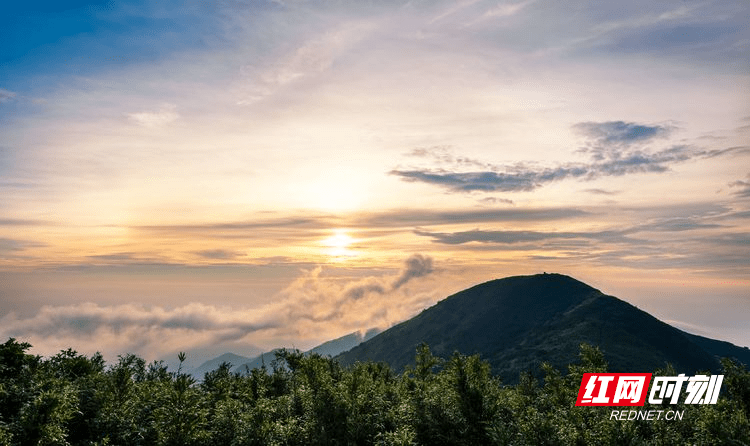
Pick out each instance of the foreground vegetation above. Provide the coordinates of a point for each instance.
(311, 400)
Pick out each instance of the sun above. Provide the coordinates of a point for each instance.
(337, 245)
(340, 240)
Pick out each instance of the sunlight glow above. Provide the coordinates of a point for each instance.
(337, 245)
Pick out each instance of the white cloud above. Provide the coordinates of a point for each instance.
(314, 56)
(506, 10)
(453, 9)
(6, 95)
(311, 307)
(117, 329)
(166, 115)
(682, 12)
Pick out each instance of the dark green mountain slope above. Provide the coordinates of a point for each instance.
(519, 322)
(721, 349)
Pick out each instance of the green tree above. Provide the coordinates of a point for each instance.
(180, 416)
(17, 374)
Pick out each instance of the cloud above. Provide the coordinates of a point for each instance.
(522, 178)
(166, 115)
(452, 9)
(692, 328)
(615, 148)
(613, 235)
(506, 9)
(120, 257)
(472, 181)
(597, 191)
(219, 254)
(687, 244)
(495, 200)
(606, 138)
(650, 18)
(624, 163)
(745, 214)
(117, 329)
(504, 237)
(22, 222)
(680, 38)
(314, 222)
(423, 217)
(442, 155)
(696, 33)
(676, 224)
(268, 229)
(706, 237)
(314, 56)
(88, 318)
(360, 289)
(743, 187)
(315, 227)
(359, 304)
(737, 150)
(416, 266)
(6, 96)
(9, 248)
(312, 306)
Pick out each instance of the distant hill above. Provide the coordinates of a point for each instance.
(344, 343)
(213, 364)
(329, 348)
(198, 356)
(264, 359)
(721, 349)
(519, 322)
(242, 364)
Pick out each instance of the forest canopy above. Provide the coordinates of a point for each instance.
(73, 399)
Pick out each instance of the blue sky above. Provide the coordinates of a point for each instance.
(177, 175)
(47, 41)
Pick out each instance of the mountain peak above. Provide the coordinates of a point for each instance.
(516, 323)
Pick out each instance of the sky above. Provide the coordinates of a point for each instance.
(243, 175)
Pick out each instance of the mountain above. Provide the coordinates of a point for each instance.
(264, 359)
(329, 348)
(239, 363)
(721, 349)
(344, 343)
(519, 322)
(199, 356)
(213, 364)
(242, 363)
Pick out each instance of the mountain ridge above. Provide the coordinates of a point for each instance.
(518, 322)
(242, 363)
